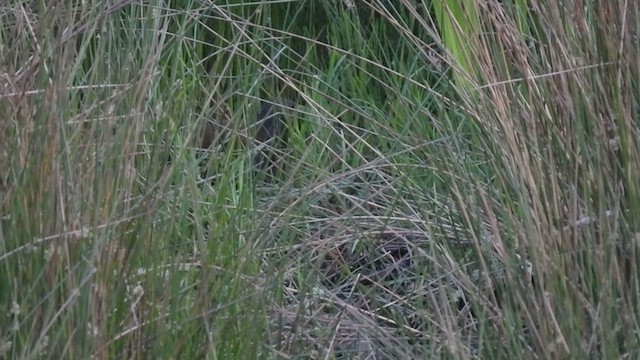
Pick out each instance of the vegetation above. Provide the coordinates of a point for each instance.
(460, 180)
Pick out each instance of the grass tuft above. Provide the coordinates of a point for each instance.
(458, 181)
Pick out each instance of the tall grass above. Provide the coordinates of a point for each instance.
(450, 188)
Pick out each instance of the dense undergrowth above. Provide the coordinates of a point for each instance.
(459, 180)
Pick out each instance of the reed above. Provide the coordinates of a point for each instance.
(456, 179)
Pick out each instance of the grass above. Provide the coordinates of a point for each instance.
(446, 190)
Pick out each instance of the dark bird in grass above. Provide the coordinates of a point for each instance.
(270, 133)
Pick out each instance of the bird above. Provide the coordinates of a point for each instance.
(270, 133)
